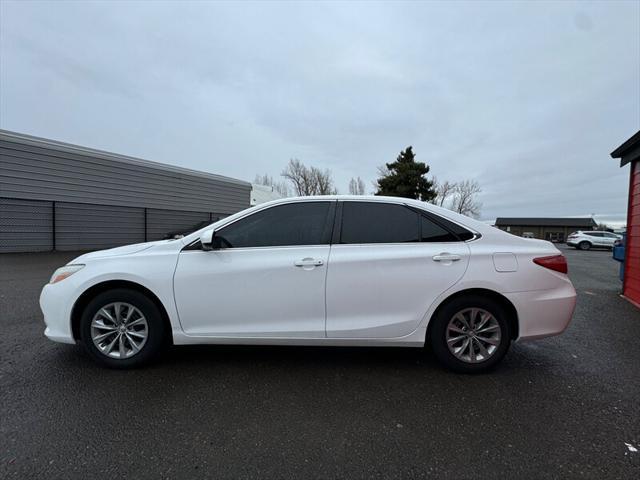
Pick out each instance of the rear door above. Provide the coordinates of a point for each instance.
(388, 264)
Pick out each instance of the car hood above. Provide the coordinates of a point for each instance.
(118, 251)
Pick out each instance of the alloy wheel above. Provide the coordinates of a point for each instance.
(119, 330)
(473, 335)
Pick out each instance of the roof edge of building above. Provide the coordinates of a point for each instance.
(630, 146)
(33, 140)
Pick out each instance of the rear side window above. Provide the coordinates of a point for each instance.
(372, 222)
(304, 223)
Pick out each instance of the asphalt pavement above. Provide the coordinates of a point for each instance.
(567, 406)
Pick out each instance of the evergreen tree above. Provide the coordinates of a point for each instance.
(406, 178)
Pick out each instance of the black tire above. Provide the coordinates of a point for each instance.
(156, 331)
(438, 333)
(584, 245)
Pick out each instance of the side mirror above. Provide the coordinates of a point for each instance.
(206, 239)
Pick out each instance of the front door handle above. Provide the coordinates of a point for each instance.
(446, 257)
(308, 262)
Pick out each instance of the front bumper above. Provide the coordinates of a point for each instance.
(57, 313)
(544, 313)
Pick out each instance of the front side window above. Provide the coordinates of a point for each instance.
(304, 223)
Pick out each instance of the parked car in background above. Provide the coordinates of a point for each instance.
(331, 270)
(585, 240)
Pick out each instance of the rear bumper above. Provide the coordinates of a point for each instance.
(544, 313)
(571, 243)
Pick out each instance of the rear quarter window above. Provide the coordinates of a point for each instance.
(459, 232)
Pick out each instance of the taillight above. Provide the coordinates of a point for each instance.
(554, 262)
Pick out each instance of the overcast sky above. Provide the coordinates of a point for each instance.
(529, 99)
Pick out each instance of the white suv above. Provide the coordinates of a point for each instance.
(586, 240)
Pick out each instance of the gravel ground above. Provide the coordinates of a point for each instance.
(560, 407)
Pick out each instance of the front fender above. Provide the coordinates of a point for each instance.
(152, 272)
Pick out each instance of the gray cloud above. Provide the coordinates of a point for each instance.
(527, 98)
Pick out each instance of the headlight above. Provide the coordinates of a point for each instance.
(64, 272)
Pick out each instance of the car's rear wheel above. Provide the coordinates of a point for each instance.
(470, 334)
(584, 245)
(122, 328)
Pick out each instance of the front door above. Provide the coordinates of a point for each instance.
(267, 279)
(388, 267)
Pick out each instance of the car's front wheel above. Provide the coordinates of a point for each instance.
(122, 328)
(470, 334)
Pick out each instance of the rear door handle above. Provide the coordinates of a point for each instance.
(446, 257)
(308, 262)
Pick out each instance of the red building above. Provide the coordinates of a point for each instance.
(629, 152)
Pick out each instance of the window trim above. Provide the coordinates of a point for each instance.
(337, 225)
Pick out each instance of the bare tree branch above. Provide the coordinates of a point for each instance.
(443, 191)
(323, 182)
(308, 180)
(356, 186)
(465, 201)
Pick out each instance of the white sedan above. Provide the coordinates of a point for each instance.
(334, 270)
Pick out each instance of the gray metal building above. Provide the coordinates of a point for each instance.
(57, 196)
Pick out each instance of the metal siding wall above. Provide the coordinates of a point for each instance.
(160, 222)
(25, 226)
(92, 227)
(632, 261)
(33, 168)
